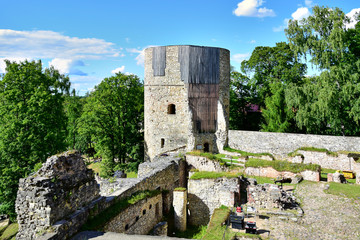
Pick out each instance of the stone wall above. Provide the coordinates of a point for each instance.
(280, 144)
(180, 209)
(61, 186)
(342, 162)
(204, 164)
(204, 195)
(272, 173)
(138, 218)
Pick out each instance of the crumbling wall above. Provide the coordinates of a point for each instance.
(138, 218)
(204, 195)
(204, 164)
(280, 144)
(61, 186)
(272, 173)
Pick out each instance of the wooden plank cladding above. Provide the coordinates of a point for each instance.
(203, 100)
(199, 65)
(159, 61)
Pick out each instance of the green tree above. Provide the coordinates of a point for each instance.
(333, 49)
(113, 116)
(241, 97)
(32, 123)
(271, 70)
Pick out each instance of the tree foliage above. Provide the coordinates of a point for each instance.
(334, 104)
(113, 117)
(32, 123)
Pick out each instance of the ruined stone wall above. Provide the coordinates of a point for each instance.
(272, 173)
(204, 164)
(173, 77)
(138, 218)
(180, 209)
(61, 186)
(280, 144)
(204, 195)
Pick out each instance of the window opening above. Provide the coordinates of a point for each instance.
(162, 142)
(144, 211)
(171, 109)
(206, 147)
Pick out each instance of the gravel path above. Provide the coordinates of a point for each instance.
(325, 217)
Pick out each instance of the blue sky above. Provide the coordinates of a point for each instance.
(90, 40)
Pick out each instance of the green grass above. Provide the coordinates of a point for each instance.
(215, 230)
(192, 232)
(313, 149)
(99, 221)
(344, 190)
(9, 232)
(209, 156)
(180, 189)
(131, 175)
(282, 165)
(213, 175)
(247, 154)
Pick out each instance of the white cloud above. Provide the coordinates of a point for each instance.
(67, 66)
(300, 13)
(49, 44)
(140, 58)
(282, 27)
(251, 8)
(352, 15)
(119, 69)
(239, 57)
(11, 59)
(253, 41)
(309, 3)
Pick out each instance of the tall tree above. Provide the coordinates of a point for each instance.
(334, 50)
(32, 123)
(113, 115)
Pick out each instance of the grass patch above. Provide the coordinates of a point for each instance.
(213, 175)
(210, 156)
(261, 180)
(96, 167)
(180, 189)
(192, 232)
(282, 165)
(247, 154)
(344, 190)
(313, 149)
(99, 221)
(9, 232)
(131, 175)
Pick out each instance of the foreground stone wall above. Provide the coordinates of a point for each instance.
(272, 173)
(58, 189)
(204, 195)
(139, 218)
(204, 164)
(280, 144)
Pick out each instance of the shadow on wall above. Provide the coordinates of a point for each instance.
(199, 213)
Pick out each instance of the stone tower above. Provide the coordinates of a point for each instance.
(186, 99)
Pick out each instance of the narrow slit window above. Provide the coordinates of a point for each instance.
(162, 143)
(171, 109)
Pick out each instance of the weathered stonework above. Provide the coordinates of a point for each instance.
(138, 218)
(280, 144)
(204, 195)
(61, 186)
(180, 211)
(171, 90)
(272, 173)
(204, 164)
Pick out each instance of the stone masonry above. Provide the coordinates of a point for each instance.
(180, 209)
(61, 186)
(183, 86)
(204, 195)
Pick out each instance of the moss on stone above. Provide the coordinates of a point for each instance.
(247, 154)
(180, 189)
(213, 175)
(313, 149)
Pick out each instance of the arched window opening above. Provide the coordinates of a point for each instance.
(206, 147)
(171, 109)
